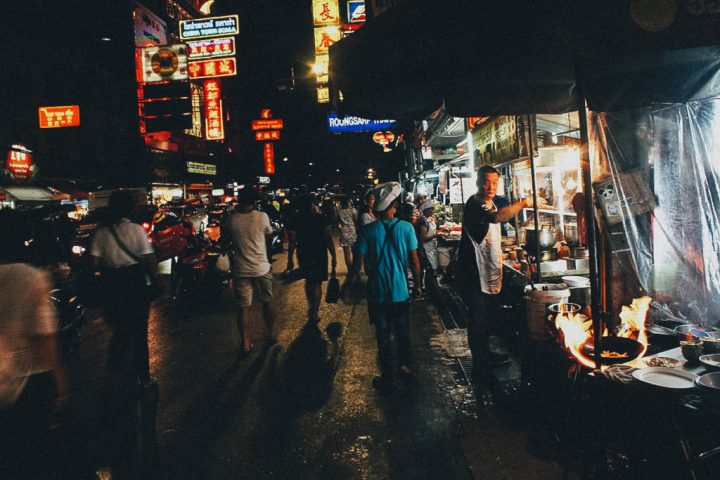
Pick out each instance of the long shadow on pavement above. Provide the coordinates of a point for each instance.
(208, 418)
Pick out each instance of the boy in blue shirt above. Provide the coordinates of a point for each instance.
(385, 247)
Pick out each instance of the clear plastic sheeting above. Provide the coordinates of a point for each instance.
(657, 183)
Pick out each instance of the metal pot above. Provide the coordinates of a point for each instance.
(571, 235)
(545, 237)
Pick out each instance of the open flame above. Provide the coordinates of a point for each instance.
(577, 328)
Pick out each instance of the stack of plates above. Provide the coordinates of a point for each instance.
(709, 381)
(666, 377)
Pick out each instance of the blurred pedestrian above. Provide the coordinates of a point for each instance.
(246, 230)
(313, 240)
(123, 255)
(328, 208)
(347, 219)
(386, 247)
(368, 215)
(33, 384)
(289, 214)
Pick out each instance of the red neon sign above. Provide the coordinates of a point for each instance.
(268, 124)
(18, 164)
(59, 117)
(269, 157)
(383, 138)
(221, 67)
(267, 135)
(214, 128)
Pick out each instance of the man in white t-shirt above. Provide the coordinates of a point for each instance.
(245, 230)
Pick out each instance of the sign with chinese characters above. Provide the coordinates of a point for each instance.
(383, 138)
(209, 27)
(267, 124)
(221, 67)
(214, 128)
(323, 95)
(59, 117)
(149, 28)
(196, 94)
(211, 48)
(201, 168)
(496, 141)
(356, 11)
(164, 62)
(19, 164)
(322, 67)
(326, 12)
(326, 36)
(356, 124)
(269, 158)
(267, 135)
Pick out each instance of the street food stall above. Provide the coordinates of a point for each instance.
(645, 82)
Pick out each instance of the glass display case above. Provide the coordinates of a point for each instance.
(558, 179)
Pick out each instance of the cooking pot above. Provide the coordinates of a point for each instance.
(621, 350)
(545, 237)
(571, 235)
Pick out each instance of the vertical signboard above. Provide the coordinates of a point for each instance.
(149, 28)
(324, 37)
(214, 128)
(326, 12)
(269, 158)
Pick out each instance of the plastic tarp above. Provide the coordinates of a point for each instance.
(657, 178)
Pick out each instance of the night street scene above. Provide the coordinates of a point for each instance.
(347, 239)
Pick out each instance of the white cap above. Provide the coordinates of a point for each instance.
(426, 204)
(385, 193)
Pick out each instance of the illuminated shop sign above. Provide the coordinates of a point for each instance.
(149, 28)
(214, 128)
(268, 135)
(19, 164)
(323, 95)
(267, 124)
(222, 67)
(202, 168)
(325, 37)
(214, 47)
(356, 11)
(59, 117)
(209, 27)
(356, 124)
(326, 12)
(164, 62)
(269, 158)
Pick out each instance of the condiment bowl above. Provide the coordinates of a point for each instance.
(691, 350)
(711, 344)
(712, 362)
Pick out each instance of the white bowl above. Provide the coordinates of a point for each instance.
(574, 282)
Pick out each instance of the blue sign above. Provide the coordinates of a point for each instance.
(356, 11)
(357, 124)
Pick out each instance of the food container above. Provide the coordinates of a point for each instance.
(545, 237)
(571, 235)
(575, 281)
(691, 350)
(710, 344)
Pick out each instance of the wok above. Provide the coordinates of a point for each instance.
(620, 345)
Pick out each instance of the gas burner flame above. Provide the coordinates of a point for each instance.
(577, 329)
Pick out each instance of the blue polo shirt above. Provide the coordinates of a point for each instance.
(387, 281)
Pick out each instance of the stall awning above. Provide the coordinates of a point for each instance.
(30, 194)
(482, 57)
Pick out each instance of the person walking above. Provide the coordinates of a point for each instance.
(481, 261)
(124, 257)
(367, 215)
(33, 385)
(386, 246)
(347, 219)
(245, 233)
(313, 243)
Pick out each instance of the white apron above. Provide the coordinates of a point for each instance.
(488, 256)
(431, 247)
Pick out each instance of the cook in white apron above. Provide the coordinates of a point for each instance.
(488, 256)
(430, 247)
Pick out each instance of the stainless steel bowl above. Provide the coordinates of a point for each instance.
(545, 238)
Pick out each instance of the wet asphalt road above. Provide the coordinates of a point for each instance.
(303, 408)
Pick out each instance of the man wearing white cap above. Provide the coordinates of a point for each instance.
(385, 247)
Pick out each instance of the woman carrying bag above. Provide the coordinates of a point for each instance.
(126, 261)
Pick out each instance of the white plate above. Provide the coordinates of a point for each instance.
(573, 281)
(666, 377)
